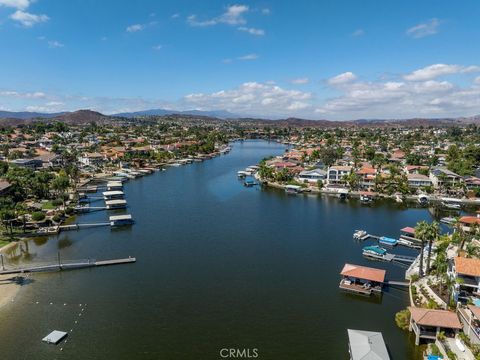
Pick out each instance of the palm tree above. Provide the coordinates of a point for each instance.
(433, 231)
(426, 232)
(420, 232)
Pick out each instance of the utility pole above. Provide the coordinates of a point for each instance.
(3, 266)
(59, 262)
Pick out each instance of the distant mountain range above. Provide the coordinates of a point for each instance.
(87, 116)
(26, 115)
(221, 114)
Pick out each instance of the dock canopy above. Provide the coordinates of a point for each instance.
(364, 273)
(112, 193)
(408, 230)
(367, 345)
(120, 217)
(116, 202)
(436, 318)
(470, 220)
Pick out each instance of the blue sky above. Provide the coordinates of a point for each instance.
(316, 59)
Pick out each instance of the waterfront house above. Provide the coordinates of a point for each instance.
(364, 345)
(361, 279)
(470, 319)
(442, 177)
(337, 173)
(466, 273)
(312, 176)
(427, 323)
(91, 159)
(418, 180)
(416, 169)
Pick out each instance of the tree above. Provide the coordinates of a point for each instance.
(329, 155)
(420, 232)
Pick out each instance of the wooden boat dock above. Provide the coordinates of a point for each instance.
(68, 265)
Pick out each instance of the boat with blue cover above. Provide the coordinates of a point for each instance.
(387, 241)
(374, 251)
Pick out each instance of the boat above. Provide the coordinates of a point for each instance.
(365, 199)
(360, 234)
(293, 189)
(422, 199)
(451, 205)
(448, 220)
(374, 251)
(387, 241)
(242, 174)
(343, 194)
(408, 243)
(249, 182)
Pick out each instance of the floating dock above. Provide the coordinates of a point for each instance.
(55, 337)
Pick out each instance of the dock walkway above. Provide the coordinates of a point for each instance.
(69, 265)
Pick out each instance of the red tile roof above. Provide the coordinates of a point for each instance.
(436, 318)
(467, 266)
(363, 272)
(470, 220)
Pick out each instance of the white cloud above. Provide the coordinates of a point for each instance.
(23, 95)
(421, 30)
(477, 80)
(135, 28)
(17, 4)
(436, 70)
(252, 31)
(248, 57)
(300, 81)
(343, 78)
(266, 11)
(175, 16)
(252, 98)
(417, 96)
(232, 16)
(28, 19)
(358, 32)
(157, 47)
(55, 44)
(298, 105)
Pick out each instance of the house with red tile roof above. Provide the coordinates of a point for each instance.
(428, 323)
(466, 273)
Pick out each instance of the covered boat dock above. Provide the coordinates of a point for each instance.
(361, 279)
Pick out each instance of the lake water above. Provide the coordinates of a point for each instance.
(218, 266)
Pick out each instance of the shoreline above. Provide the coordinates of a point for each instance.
(9, 290)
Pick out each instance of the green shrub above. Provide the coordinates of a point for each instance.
(402, 319)
(38, 216)
(57, 202)
(435, 350)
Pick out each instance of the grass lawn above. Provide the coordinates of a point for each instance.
(48, 206)
(3, 242)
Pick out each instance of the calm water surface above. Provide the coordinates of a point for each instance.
(218, 266)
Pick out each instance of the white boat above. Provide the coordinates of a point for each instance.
(452, 205)
(293, 189)
(360, 234)
(242, 174)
